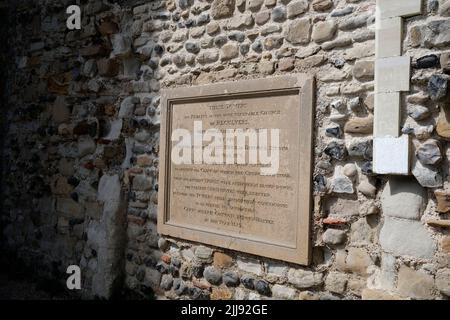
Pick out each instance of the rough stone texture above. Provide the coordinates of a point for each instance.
(303, 279)
(369, 294)
(403, 197)
(323, 31)
(298, 31)
(109, 237)
(443, 281)
(336, 282)
(222, 8)
(426, 175)
(395, 237)
(283, 292)
(443, 201)
(333, 236)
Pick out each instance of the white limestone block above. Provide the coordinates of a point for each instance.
(391, 155)
(389, 37)
(398, 8)
(387, 114)
(392, 74)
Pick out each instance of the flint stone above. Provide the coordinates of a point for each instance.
(438, 86)
(222, 8)
(333, 236)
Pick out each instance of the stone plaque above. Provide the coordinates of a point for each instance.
(235, 165)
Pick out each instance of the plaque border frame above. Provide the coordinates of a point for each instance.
(304, 86)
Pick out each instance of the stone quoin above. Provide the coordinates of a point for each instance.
(358, 207)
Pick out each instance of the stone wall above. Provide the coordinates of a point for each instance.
(81, 151)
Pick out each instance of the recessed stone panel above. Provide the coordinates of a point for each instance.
(233, 203)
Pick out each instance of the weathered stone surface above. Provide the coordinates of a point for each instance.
(359, 125)
(212, 275)
(445, 61)
(230, 279)
(298, 31)
(296, 8)
(395, 237)
(429, 152)
(364, 69)
(279, 14)
(389, 37)
(426, 175)
(322, 5)
(431, 35)
(341, 183)
(142, 183)
(109, 238)
(428, 61)
(222, 260)
(355, 260)
(283, 292)
(229, 51)
(350, 170)
(445, 244)
(439, 223)
(415, 284)
(360, 148)
(208, 56)
(367, 189)
(222, 8)
(69, 208)
(108, 67)
(443, 124)
(204, 254)
(303, 279)
(443, 281)
(353, 22)
(86, 145)
(418, 113)
(336, 282)
(60, 110)
(438, 87)
(402, 197)
(393, 74)
(361, 233)
(336, 150)
(370, 294)
(249, 265)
